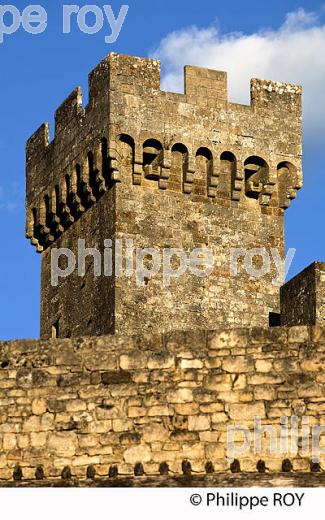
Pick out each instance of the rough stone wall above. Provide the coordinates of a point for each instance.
(163, 169)
(303, 297)
(125, 401)
(81, 305)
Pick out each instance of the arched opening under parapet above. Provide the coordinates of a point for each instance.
(256, 172)
(152, 158)
(179, 167)
(126, 156)
(228, 169)
(286, 168)
(204, 168)
(126, 148)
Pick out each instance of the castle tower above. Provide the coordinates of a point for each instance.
(161, 170)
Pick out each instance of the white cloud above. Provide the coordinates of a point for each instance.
(292, 53)
(300, 19)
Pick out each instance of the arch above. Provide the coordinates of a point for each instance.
(126, 157)
(286, 167)
(256, 174)
(180, 148)
(125, 139)
(152, 158)
(228, 171)
(287, 183)
(204, 152)
(179, 166)
(204, 170)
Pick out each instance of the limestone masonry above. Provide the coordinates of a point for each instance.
(132, 380)
(165, 170)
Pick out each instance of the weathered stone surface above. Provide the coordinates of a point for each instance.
(137, 454)
(134, 360)
(64, 444)
(115, 377)
(9, 441)
(210, 167)
(238, 364)
(149, 394)
(246, 412)
(39, 406)
(183, 395)
(159, 422)
(307, 291)
(262, 365)
(98, 420)
(160, 361)
(154, 433)
(199, 423)
(191, 363)
(32, 424)
(38, 440)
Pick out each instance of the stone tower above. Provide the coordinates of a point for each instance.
(162, 170)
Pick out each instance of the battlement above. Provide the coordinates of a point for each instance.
(229, 151)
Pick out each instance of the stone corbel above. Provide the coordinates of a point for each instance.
(138, 166)
(64, 211)
(288, 194)
(189, 176)
(86, 188)
(44, 230)
(56, 222)
(74, 198)
(269, 183)
(165, 169)
(31, 227)
(114, 162)
(213, 181)
(153, 171)
(98, 169)
(238, 182)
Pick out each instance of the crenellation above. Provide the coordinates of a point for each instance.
(69, 113)
(276, 96)
(104, 89)
(205, 87)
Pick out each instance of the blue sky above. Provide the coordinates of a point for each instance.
(38, 72)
